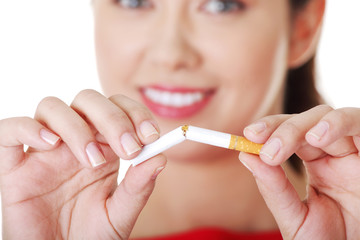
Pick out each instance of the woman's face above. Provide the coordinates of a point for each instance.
(218, 64)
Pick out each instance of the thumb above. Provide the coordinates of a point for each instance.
(130, 197)
(279, 194)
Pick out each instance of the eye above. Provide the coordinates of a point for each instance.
(134, 4)
(223, 6)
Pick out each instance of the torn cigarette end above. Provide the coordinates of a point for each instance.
(184, 129)
(244, 145)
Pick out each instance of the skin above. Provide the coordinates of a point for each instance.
(185, 51)
(51, 191)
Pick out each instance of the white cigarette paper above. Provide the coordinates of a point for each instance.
(167, 141)
(207, 136)
(196, 134)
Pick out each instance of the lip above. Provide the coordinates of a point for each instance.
(168, 110)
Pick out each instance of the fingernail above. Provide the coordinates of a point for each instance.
(247, 166)
(94, 154)
(271, 148)
(319, 130)
(256, 128)
(148, 130)
(49, 137)
(157, 172)
(129, 144)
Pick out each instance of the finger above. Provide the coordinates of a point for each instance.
(74, 131)
(144, 123)
(280, 196)
(112, 122)
(335, 131)
(131, 195)
(289, 137)
(306, 152)
(261, 130)
(15, 132)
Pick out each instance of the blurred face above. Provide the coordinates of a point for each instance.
(218, 64)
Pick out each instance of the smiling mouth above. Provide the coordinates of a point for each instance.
(176, 102)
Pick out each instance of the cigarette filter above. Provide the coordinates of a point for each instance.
(220, 139)
(215, 138)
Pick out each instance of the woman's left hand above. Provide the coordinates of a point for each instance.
(328, 142)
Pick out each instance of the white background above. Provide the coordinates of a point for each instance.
(46, 48)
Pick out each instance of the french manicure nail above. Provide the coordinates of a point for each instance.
(319, 130)
(157, 172)
(129, 144)
(271, 148)
(49, 137)
(256, 128)
(94, 154)
(247, 166)
(148, 130)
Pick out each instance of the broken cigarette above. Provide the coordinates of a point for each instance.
(196, 134)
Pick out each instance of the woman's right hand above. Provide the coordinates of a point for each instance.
(61, 187)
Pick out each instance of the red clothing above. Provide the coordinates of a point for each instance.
(218, 234)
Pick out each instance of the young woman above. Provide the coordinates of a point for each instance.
(236, 66)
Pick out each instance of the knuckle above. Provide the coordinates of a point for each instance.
(141, 112)
(48, 104)
(80, 125)
(273, 119)
(118, 98)
(289, 128)
(137, 111)
(85, 94)
(340, 115)
(119, 123)
(6, 122)
(117, 117)
(23, 123)
(323, 108)
(340, 119)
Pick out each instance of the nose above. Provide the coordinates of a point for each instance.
(172, 47)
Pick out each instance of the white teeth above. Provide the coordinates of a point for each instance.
(173, 99)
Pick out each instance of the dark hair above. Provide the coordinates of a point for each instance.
(300, 92)
(297, 4)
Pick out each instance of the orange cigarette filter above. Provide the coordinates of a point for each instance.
(221, 139)
(244, 145)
